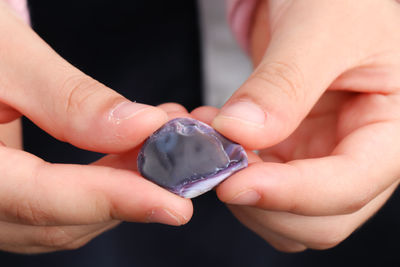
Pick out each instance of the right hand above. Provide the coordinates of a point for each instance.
(322, 107)
(46, 207)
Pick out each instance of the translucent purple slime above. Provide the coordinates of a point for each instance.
(189, 158)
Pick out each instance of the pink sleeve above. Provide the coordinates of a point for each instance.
(21, 8)
(240, 14)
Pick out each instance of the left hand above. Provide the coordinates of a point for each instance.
(51, 207)
(323, 109)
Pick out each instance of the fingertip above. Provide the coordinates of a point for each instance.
(254, 128)
(249, 197)
(136, 199)
(127, 111)
(175, 110)
(172, 107)
(181, 207)
(233, 186)
(242, 121)
(185, 210)
(261, 185)
(171, 216)
(174, 210)
(162, 206)
(124, 161)
(205, 114)
(134, 130)
(118, 129)
(244, 111)
(248, 136)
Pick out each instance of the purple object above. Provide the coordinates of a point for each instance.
(189, 158)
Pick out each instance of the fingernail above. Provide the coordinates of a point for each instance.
(246, 198)
(246, 112)
(160, 215)
(126, 110)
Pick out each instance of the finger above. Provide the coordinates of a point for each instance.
(249, 217)
(337, 184)
(317, 135)
(39, 193)
(8, 114)
(284, 87)
(174, 110)
(62, 100)
(316, 232)
(125, 161)
(11, 134)
(128, 160)
(205, 114)
(21, 238)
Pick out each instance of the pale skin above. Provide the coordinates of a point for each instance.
(47, 207)
(323, 108)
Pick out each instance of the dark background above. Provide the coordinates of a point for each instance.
(149, 52)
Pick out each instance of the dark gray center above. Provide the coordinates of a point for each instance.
(174, 157)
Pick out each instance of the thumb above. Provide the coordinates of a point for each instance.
(62, 100)
(300, 62)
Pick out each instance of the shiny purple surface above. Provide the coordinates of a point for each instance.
(189, 158)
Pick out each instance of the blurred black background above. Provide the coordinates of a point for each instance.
(150, 52)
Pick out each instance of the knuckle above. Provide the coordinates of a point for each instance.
(285, 77)
(28, 213)
(81, 100)
(77, 89)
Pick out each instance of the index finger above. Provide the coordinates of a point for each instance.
(62, 100)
